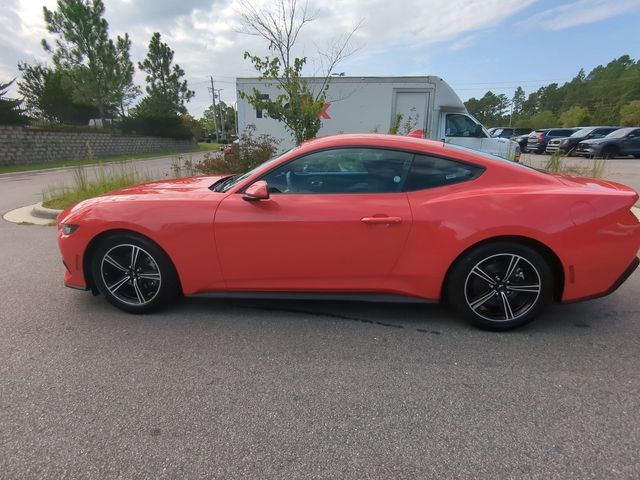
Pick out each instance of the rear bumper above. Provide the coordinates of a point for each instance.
(536, 147)
(621, 279)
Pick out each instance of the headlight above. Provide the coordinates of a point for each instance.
(564, 142)
(68, 228)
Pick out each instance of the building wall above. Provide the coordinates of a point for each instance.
(20, 145)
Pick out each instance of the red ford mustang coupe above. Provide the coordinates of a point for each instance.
(376, 217)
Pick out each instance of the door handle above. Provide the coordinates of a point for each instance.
(381, 220)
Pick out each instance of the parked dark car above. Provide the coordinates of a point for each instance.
(508, 132)
(538, 140)
(568, 144)
(624, 141)
(522, 140)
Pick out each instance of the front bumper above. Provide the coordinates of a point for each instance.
(586, 151)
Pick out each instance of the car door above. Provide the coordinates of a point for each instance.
(335, 220)
(630, 145)
(460, 129)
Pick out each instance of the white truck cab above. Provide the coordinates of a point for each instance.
(427, 106)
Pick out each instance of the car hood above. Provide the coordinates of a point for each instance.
(172, 186)
(190, 188)
(595, 141)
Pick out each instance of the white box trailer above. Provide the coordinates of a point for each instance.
(372, 104)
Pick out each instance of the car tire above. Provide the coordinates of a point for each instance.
(609, 152)
(500, 286)
(134, 274)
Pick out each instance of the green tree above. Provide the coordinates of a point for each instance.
(48, 95)
(224, 115)
(297, 106)
(575, 117)
(167, 91)
(544, 119)
(630, 113)
(517, 103)
(100, 69)
(490, 110)
(10, 109)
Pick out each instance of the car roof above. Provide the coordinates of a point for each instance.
(419, 145)
(399, 142)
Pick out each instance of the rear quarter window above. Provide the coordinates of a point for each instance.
(430, 172)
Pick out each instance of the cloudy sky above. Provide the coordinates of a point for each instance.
(474, 45)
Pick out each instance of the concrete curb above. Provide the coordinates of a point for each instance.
(33, 215)
(44, 212)
(24, 216)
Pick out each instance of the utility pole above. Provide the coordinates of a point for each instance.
(224, 132)
(215, 115)
(235, 118)
(510, 113)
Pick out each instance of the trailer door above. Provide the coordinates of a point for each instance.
(412, 104)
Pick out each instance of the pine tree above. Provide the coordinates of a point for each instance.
(167, 92)
(100, 69)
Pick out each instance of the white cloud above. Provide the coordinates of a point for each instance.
(393, 39)
(581, 12)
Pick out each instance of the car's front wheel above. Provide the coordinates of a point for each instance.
(500, 286)
(609, 152)
(133, 273)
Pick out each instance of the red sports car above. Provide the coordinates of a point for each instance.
(377, 217)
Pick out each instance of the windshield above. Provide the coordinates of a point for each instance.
(228, 183)
(583, 132)
(623, 132)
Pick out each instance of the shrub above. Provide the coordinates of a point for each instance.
(630, 113)
(10, 113)
(574, 117)
(249, 153)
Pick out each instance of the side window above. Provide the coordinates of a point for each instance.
(458, 125)
(429, 172)
(342, 170)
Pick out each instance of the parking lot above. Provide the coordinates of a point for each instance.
(284, 389)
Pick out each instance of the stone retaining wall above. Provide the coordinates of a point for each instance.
(23, 145)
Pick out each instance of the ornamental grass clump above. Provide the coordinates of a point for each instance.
(84, 185)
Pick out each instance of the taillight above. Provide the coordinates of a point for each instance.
(540, 137)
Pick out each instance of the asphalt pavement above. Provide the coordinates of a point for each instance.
(283, 389)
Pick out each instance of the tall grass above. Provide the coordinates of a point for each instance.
(556, 164)
(83, 185)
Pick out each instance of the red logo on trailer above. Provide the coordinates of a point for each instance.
(324, 113)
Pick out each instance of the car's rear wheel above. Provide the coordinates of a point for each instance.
(134, 274)
(500, 286)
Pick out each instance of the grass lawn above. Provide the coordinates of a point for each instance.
(202, 147)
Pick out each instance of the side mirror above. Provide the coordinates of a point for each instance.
(256, 191)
